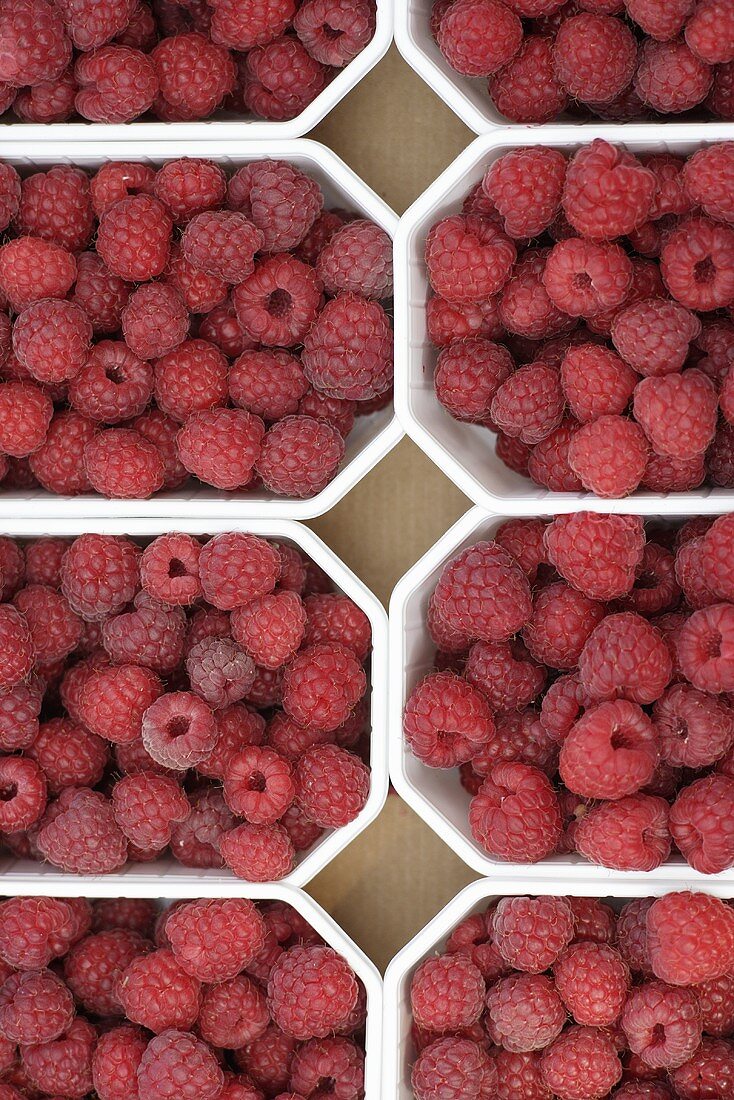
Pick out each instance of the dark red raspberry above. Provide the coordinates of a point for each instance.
(235, 568)
(10, 192)
(152, 635)
(222, 243)
(335, 31)
(547, 464)
(695, 730)
(169, 569)
(56, 206)
(321, 231)
(115, 1061)
(195, 842)
(607, 192)
(447, 993)
(632, 935)
(319, 1062)
(219, 671)
(116, 84)
(51, 339)
(697, 263)
(446, 721)
(194, 76)
(258, 853)
(699, 823)
(661, 19)
(709, 32)
(530, 933)
(91, 24)
(134, 237)
(281, 79)
(278, 303)
(122, 463)
(653, 335)
(583, 277)
(154, 320)
(94, 965)
(221, 327)
(188, 186)
(468, 258)
(55, 629)
(177, 1064)
(581, 1060)
(514, 792)
(524, 306)
(483, 593)
(358, 257)
(100, 294)
(530, 403)
(178, 730)
(221, 446)
(35, 1007)
(33, 43)
(134, 914)
(207, 622)
(269, 383)
(527, 89)
(715, 1005)
(705, 648)
(113, 385)
(267, 1059)
(84, 838)
(594, 57)
(322, 685)
(332, 785)
(300, 456)
(670, 78)
(609, 455)
(233, 1013)
(684, 959)
(561, 623)
(311, 991)
(25, 415)
(117, 180)
(332, 617)
(32, 269)
(65, 1064)
(271, 628)
(610, 752)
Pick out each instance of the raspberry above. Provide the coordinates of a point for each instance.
(195, 842)
(607, 192)
(189, 186)
(610, 752)
(526, 186)
(219, 671)
(653, 336)
(527, 89)
(320, 233)
(697, 263)
(529, 404)
(258, 853)
(24, 793)
(221, 446)
(280, 199)
(134, 238)
(596, 382)
(116, 84)
(530, 933)
(122, 463)
(706, 178)
(720, 456)
(235, 568)
(241, 28)
(221, 327)
(233, 1013)
(446, 721)
(468, 258)
(448, 321)
(504, 674)
(267, 1059)
(69, 755)
(91, 24)
(33, 931)
(156, 992)
(147, 807)
(214, 940)
(594, 57)
(358, 257)
(711, 1068)
(705, 648)
(16, 647)
(548, 462)
(300, 456)
(334, 31)
(586, 277)
(55, 629)
(101, 295)
(151, 635)
(323, 1061)
(661, 19)
(630, 834)
(201, 292)
(478, 37)
(84, 838)
(322, 685)
(690, 938)
(332, 617)
(625, 658)
(56, 206)
(524, 1012)
(238, 727)
(51, 339)
(524, 305)
(281, 79)
(63, 1065)
(512, 793)
(207, 622)
(133, 914)
(222, 243)
(483, 593)
(670, 78)
(311, 991)
(176, 1064)
(270, 628)
(593, 981)
(169, 569)
(179, 730)
(194, 76)
(699, 823)
(632, 935)
(331, 785)
(113, 385)
(267, 383)
(714, 550)
(32, 269)
(115, 1062)
(33, 45)
(715, 1005)
(523, 538)
(582, 1062)
(694, 729)
(19, 710)
(662, 1024)
(279, 301)
(447, 993)
(25, 415)
(609, 455)
(154, 321)
(118, 180)
(709, 32)
(10, 193)
(678, 413)
(94, 965)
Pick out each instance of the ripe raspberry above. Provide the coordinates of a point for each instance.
(221, 446)
(322, 685)
(709, 32)
(201, 292)
(446, 721)
(16, 647)
(156, 992)
(55, 629)
(134, 238)
(548, 464)
(271, 628)
(628, 835)
(706, 176)
(320, 233)
(222, 243)
(115, 1062)
(593, 981)
(23, 785)
(35, 1007)
(332, 617)
(694, 729)
(632, 935)
(214, 940)
(169, 569)
(670, 78)
(679, 957)
(320, 1062)
(118, 180)
(281, 79)
(705, 648)
(311, 991)
(609, 455)
(662, 1024)
(152, 635)
(233, 1013)
(91, 24)
(527, 89)
(207, 622)
(101, 295)
(610, 752)
(147, 807)
(32, 269)
(116, 84)
(189, 186)
(331, 785)
(179, 730)
(583, 278)
(83, 838)
(33, 43)
(258, 853)
(478, 37)
(122, 463)
(524, 539)
(134, 914)
(697, 263)
(561, 706)
(524, 1012)
(720, 457)
(596, 382)
(195, 842)
(56, 206)
(678, 413)
(468, 258)
(176, 1064)
(699, 823)
(529, 404)
(194, 76)
(219, 671)
(238, 728)
(447, 993)
(450, 1066)
(300, 456)
(335, 31)
(25, 414)
(10, 192)
(268, 383)
(594, 57)
(358, 257)
(51, 340)
(653, 336)
(154, 321)
(661, 19)
(505, 675)
(715, 1005)
(714, 549)
(94, 965)
(19, 710)
(524, 305)
(530, 933)
(526, 186)
(711, 1068)
(277, 304)
(514, 792)
(483, 593)
(113, 385)
(607, 192)
(581, 1062)
(625, 658)
(65, 1064)
(241, 28)
(235, 568)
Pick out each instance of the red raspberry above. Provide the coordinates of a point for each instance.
(214, 940)
(607, 192)
(704, 647)
(222, 243)
(609, 455)
(519, 1075)
(520, 738)
(661, 19)
(178, 730)
(720, 457)
(449, 1066)
(527, 89)
(670, 78)
(524, 1012)
(524, 539)
(152, 635)
(358, 257)
(322, 685)
(625, 658)
(241, 28)
(156, 992)
(221, 446)
(154, 320)
(468, 258)
(33, 44)
(207, 622)
(582, 1061)
(258, 853)
(514, 792)
(483, 593)
(35, 930)
(51, 339)
(504, 674)
(662, 1024)
(24, 793)
(270, 628)
(526, 185)
(200, 292)
(311, 991)
(678, 413)
(632, 935)
(586, 277)
(235, 568)
(478, 37)
(448, 321)
(319, 1062)
(55, 629)
(594, 57)
(714, 548)
(593, 981)
(189, 186)
(16, 647)
(630, 834)
(122, 463)
(116, 84)
(83, 838)
(697, 263)
(233, 1013)
(524, 305)
(219, 671)
(113, 385)
(147, 807)
(195, 842)
(69, 755)
(32, 269)
(191, 378)
(710, 1069)
(63, 1065)
(446, 721)
(169, 569)
(19, 710)
(699, 823)
(117, 180)
(715, 1005)
(134, 914)
(332, 617)
(279, 302)
(709, 32)
(115, 1062)
(177, 1064)
(56, 206)
(673, 475)
(25, 414)
(653, 336)
(332, 785)
(91, 24)
(530, 933)
(694, 729)
(548, 464)
(267, 1059)
(94, 965)
(35, 1007)
(101, 295)
(335, 31)
(281, 79)
(690, 938)
(300, 456)
(561, 623)
(320, 233)
(10, 192)
(134, 238)
(194, 76)
(529, 404)
(447, 993)
(238, 728)
(610, 752)
(706, 177)
(268, 383)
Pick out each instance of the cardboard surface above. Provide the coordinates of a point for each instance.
(398, 136)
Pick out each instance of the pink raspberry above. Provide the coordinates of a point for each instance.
(271, 628)
(527, 89)
(593, 981)
(529, 404)
(51, 339)
(530, 933)
(56, 206)
(311, 991)
(178, 730)
(670, 78)
(607, 192)
(594, 57)
(478, 37)
(278, 303)
(699, 823)
(625, 657)
(609, 455)
(331, 785)
(120, 462)
(233, 1013)
(177, 1064)
(25, 414)
(194, 76)
(447, 993)
(505, 675)
(610, 752)
(468, 258)
(113, 385)
(115, 1062)
(449, 1065)
(269, 383)
(235, 568)
(33, 43)
(514, 792)
(358, 257)
(101, 295)
(583, 1060)
(690, 937)
(583, 277)
(65, 1064)
(134, 238)
(524, 1012)
(258, 853)
(678, 413)
(84, 838)
(221, 446)
(697, 263)
(116, 84)
(446, 721)
(705, 648)
(32, 269)
(214, 940)
(94, 965)
(335, 31)
(147, 807)
(630, 834)
(241, 28)
(526, 186)
(662, 1024)
(154, 321)
(189, 186)
(596, 382)
(281, 79)
(300, 456)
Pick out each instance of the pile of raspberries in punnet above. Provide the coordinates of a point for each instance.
(617, 60)
(543, 997)
(585, 689)
(158, 325)
(206, 1000)
(207, 697)
(181, 60)
(582, 311)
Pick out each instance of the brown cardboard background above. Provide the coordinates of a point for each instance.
(398, 136)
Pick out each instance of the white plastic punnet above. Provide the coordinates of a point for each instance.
(466, 451)
(372, 436)
(145, 879)
(436, 794)
(397, 1045)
